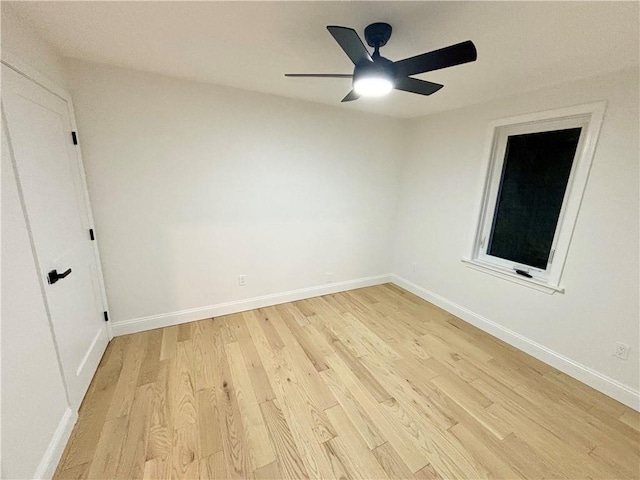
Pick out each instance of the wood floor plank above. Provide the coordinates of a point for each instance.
(333, 336)
(304, 427)
(209, 422)
(443, 451)
(371, 383)
(566, 460)
(354, 410)
(160, 424)
(134, 444)
(402, 390)
(261, 385)
(474, 403)
(308, 409)
(340, 325)
(185, 455)
(268, 472)
(352, 449)
(185, 331)
(484, 449)
(457, 341)
(631, 418)
(389, 459)
(269, 330)
(316, 462)
(526, 461)
(427, 473)
(203, 356)
(78, 472)
(157, 469)
(372, 343)
(387, 329)
(393, 430)
(291, 465)
(338, 470)
(295, 312)
(305, 371)
(231, 429)
(151, 361)
(214, 467)
(123, 394)
(368, 380)
(256, 436)
(169, 342)
(576, 427)
(313, 345)
(183, 398)
(107, 453)
(626, 466)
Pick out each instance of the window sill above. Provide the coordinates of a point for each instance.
(512, 277)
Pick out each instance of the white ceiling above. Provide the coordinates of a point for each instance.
(250, 45)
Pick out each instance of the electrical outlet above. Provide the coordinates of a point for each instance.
(621, 350)
(242, 280)
(328, 277)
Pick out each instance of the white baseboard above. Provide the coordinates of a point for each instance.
(174, 318)
(600, 382)
(58, 442)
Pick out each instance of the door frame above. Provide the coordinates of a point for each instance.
(14, 63)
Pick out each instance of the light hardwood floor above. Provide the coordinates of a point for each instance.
(373, 383)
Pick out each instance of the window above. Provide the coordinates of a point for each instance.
(537, 171)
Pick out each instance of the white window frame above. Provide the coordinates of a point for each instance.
(589, 117)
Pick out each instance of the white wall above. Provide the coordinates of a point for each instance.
(21, 40)
(441, 183)
(193, 185)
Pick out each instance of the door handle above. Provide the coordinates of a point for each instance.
(53, 276)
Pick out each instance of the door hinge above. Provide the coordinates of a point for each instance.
(106, 316)
(91, 234)
(551, 256)
(74, 137)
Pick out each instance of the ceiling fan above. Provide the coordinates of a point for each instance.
(375, 75)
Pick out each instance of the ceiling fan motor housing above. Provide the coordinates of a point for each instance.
(377, 34)
(380, 67)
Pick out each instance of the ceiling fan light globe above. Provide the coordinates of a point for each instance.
(372, 86)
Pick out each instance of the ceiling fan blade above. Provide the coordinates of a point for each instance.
(351, 96)
(445, 57)
(413, 85)
(319, 75)
(350, 42)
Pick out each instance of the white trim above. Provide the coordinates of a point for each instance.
(141, 324)
(592, 114)
(53, 453)
(14, 62)
(91, 352)
(594, 379)
(511, 276)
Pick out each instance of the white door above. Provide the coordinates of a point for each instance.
(50, 176)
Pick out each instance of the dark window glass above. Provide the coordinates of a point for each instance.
(534, 180)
